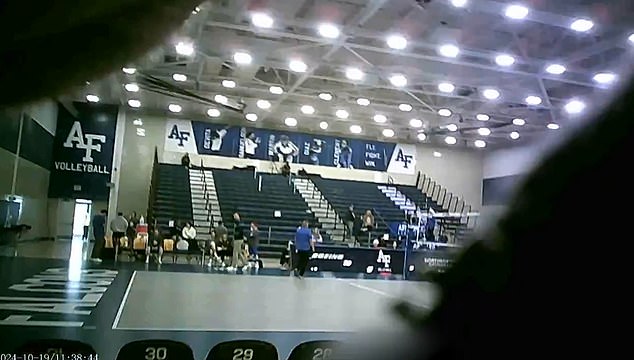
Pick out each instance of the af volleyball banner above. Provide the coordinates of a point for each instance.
(202, 138)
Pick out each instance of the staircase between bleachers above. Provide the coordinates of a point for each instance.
(399, 199)
(319, 205)
(205, 206)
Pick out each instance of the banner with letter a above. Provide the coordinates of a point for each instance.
(403, 160)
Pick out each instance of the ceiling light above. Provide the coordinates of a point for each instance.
(574, 107)
(378, 118)
(553, 126)
(323, 125)
(555, 69)
(131, 87)
(582, 25)
(397, 42)
(179, 77)
(213, 112)
(421, 136)
(356, 129)
(134, 103)
(92, 98)
(514, 135)
(229, 84)
(242, 58)
(415, 123)
(405, 107)
(342, 114)
(484, 131)
(196, 10)
(129, 71)
(307, 109)
(289, 121)
(329, 31)
(516, 12)
(459, 3)
(504, 60)
(184, 48)
(398, 80)
(388, 133)
(483, 117)
(220, 99)
(449, 50)
(297, 66)
(631, 38)
(491, 94)
(363, 102)
(138, 122)
(450, 140)
(263, 104)
(175, 108)
(480, 143)
(251, 117)
(533, 100)
(353, 73)
(276, 90)
(325, 96)
(444, 112)
(262, 20)
(446, 87)
(452, 127)
(604, 77)
(519, 122)
(437, 154)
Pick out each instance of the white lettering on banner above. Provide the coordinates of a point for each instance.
(403, 160)
(327, 256)
(75, 139)
(385, 260)
(82, 168)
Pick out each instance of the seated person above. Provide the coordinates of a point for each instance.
(317, 236)
(285, 257)
(188, 235)
(155, 245)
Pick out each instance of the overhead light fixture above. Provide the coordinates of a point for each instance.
(297, 66)
(555, 69)
(450, 140)
(328, 30)
(134, 103)
(380, 119)
(129, 70)
(582, 25)
(325, 96)
(262, 20)
(263, 104)
(179, 77)
(421, 136)
(452, 127)
(553, 126)
(504, 60)
(307, 109)
(516, 12)
(175, 108)
(138, 122)
(533, 100)
(277, 90)
(388, 133)
(290, 121)
(437, 154)
(491, 94)
(574, 107)
(484, 131)
(459, 3)
(323, 125)
(92, 98)
(446, 87)
(444, 112)
(184, 48)
(405, 107)
(196, 10)
(449, 50)
(514, 135)
(480, 143)
(353, 73)
(220, 99)
(363, 102)
(132, 87)
(483, 117)
(228, 84)
(398, 80)
(519, 122)
(242, 58)
(213, 112)
(416, 123)
(356, 129)
(397, 42)
(251, 117)
(604, 77)
(342, 114)
(631, 38)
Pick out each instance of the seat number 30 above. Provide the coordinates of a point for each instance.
(242, 354)
(153, 353)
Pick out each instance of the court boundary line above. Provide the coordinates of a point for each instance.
(372, 290)
(117, 318)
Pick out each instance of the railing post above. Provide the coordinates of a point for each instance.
(260, 183)
(269, 239)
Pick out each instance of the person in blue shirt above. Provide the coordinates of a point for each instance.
(304, 246)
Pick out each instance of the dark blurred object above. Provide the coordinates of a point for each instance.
(50, 46)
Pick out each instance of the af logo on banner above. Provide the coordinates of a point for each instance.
(179, 137)
(89, 143)
(385, 260)
(403, 160)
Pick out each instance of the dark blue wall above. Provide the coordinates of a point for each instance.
(498, 191)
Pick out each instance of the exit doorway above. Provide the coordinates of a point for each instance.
(81, 218)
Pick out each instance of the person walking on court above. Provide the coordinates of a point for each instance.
(303, 246)
(99, 232)
(239, 230)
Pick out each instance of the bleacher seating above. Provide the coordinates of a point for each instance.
(172, 199)
(238, 191)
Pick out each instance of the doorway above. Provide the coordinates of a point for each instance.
(81, 218)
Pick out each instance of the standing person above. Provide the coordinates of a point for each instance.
(254, 240)
(84, 237)
(349, 218)
(185, 160)
(118, 226)
(219, 245)
(303, 246)
(133, 220)
(99, 232)
(238, 244)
